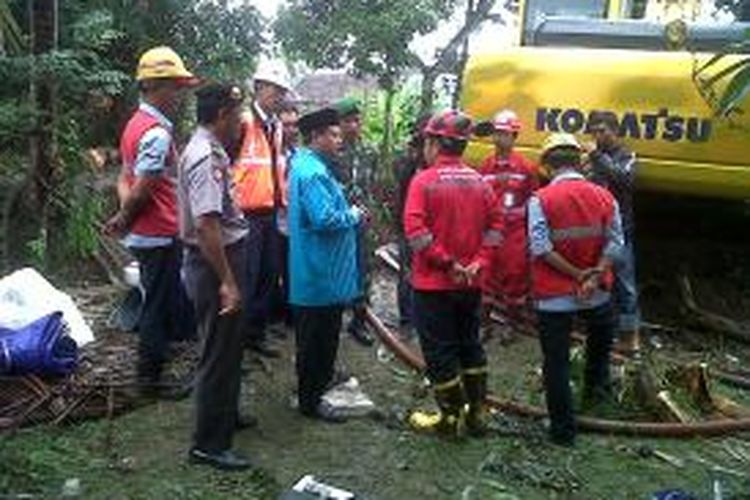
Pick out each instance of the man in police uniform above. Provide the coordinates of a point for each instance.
(357, 172)
(215, 233)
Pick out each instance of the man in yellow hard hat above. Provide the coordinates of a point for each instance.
(574, 233)
(147, 218)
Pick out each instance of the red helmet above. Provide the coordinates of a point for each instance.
(506, 121)
(450, 123)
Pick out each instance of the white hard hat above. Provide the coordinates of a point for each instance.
(506, 120)
(273, 72)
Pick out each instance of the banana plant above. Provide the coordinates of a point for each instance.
(724, 79)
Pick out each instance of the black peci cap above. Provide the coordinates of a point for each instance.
(319, 119)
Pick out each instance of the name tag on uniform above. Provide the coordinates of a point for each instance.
(509, 200)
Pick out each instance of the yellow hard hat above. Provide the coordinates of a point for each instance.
(559, 140)
(162, 62)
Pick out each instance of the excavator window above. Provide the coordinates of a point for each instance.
(622, 24)
(538, 10)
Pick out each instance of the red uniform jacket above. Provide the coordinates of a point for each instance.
(578, 214)
(513, 180)
(451, 215)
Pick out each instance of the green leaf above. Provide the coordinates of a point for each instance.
(732, 68)
(10, 32)
(733, 48)
(736, 91)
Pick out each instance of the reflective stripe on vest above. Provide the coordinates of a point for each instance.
(421, 241)
(505, 176)
(492, 238)
(576, 233)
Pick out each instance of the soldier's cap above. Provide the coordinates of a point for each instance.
(221, 95)
(317, 120)
(347, 107)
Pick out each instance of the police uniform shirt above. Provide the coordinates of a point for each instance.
(205, 187)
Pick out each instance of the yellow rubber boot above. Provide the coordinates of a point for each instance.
(450, 419)
(475, 385)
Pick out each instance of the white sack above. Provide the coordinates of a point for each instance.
(26, 296)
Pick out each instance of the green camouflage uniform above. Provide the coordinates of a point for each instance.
(358, 171)
(358, 164)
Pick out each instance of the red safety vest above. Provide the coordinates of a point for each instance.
(578, 213)
(159, 216)
(258, 188)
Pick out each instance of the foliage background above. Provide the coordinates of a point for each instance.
(89, 74)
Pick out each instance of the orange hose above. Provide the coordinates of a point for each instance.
(663, 429)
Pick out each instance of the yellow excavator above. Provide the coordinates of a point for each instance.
(644, 61)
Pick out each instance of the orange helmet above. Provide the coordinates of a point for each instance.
(506, 121)
(450, 123)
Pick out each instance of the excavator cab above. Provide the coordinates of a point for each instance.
(643, 61)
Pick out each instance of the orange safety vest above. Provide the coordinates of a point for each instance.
(256, 186)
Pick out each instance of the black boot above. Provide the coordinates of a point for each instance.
(475, 385)
(450, 421)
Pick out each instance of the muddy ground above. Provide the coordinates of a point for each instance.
(142, 454)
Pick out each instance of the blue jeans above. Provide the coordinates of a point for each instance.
(625, 290)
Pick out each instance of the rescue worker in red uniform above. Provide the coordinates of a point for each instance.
(453, 225)
(575, 233)
(513, 179)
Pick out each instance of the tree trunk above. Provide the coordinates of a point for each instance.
(462, 59)
(387, 145)
(428, 91)
(43, 16)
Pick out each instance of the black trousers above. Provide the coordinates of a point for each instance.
(281, 311)
(448, 327)
(263, 270)
(164, 315)
(317, 334)
(554, 335)
(217, 386)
